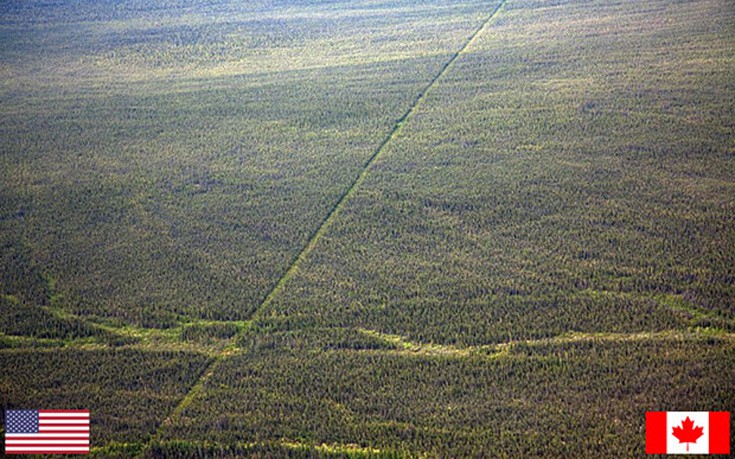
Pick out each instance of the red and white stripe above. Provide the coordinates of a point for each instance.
(59, 432)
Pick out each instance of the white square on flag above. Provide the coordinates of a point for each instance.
(699, 421)
(687, 432)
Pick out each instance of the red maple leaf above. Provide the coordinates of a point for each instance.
(687, 433)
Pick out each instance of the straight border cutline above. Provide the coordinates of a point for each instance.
(324, 224)
(367, 166)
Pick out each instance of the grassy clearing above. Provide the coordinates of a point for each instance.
(28, 326)
(407, 346)
(20, 321)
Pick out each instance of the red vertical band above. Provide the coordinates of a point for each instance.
(656, 432)
(719, 432)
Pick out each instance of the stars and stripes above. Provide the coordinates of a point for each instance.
(47, 432)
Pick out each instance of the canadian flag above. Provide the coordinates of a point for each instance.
(687, 432)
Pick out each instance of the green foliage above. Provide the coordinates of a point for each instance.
(168, 161)
(117, 450)
(551, 398)
(542, 250)
(270, 339)
(20, 275)
(189, 449)
(19, 319)
(208, 332)
(128, 392)
(547, 182)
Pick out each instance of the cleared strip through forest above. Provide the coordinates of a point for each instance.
(324, 225)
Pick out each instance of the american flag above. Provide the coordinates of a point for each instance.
(47, 432)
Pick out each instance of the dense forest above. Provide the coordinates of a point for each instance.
(357, 228)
